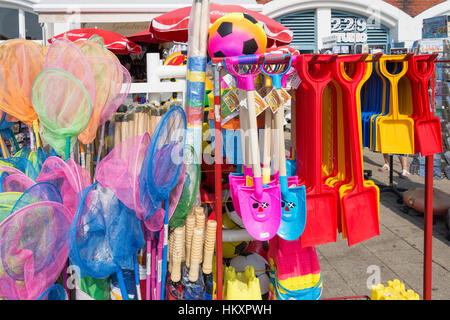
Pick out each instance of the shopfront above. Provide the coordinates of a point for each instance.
(371, 26)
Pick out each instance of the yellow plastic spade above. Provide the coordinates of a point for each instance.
(241, 285)
(350, 186)
(396, 130)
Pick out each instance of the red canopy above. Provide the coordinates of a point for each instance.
(173, 25)
(113, 41)
(144, 36)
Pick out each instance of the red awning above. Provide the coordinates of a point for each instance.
(113, 41)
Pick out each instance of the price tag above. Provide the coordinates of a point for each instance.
(273, 101)
(294, 80)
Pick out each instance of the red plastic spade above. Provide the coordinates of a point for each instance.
(321, 200)
(428, 127)
(359, 198)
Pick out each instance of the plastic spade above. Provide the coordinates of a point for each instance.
(359, 198)
(260, 207)
(428, 128)
(321, 200)
(396, 130)
(293, 200)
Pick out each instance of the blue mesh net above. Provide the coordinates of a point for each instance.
(24, 165)
(55, 292)
(164, 156)
(160, 169)
(104, 236)
(43, 191)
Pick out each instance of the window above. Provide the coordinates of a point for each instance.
(32, 27)
(9, 23)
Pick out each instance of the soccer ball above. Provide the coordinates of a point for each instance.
(236, 34)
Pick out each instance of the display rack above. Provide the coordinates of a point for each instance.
(428, 212)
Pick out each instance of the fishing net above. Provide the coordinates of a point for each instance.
(68, 177)
(112, 82)
(7, 201)
(55, 292)
(39, 192)
(190, 188)
(24, 165)
(83, 176)
(119, 171)
(64, 54)
(33, 250)
(164, 157)
(9, 169)
(20, 63)
(64, 108)
(162, 165)
(104, 236)
(6, 121)
(15, 182)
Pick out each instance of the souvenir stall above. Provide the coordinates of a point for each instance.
(202, 196)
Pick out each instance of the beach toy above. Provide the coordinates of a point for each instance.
(112, 84)
(241, 285)
(39, 192)
(68, 177)
(22, 164)
(104, 236)
(295, 272)
(21, 62)
(55, 292)
(395, 290)
(236, 34)
(260, 265)
(33, 250)
(359, 198)
(161, 166)
(15, 182)
(427, 127)
(64, 108)
(189, 191)
(321, 200)
(126, 161)
(64, 54)
(260, 206)
(196, 74)
(396, 130)
(293, 200)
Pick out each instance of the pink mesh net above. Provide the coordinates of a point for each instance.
(33, 250)
(112, 83)
(68, 177)
(119, 171)
(64, 54)
(17, 182)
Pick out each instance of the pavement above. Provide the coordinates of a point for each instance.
(398, 253)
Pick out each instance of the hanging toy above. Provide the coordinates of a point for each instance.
(236, 34)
